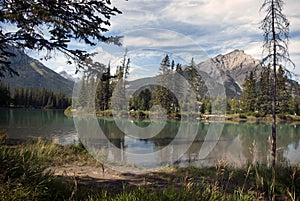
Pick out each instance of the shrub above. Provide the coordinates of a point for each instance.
(242, 116)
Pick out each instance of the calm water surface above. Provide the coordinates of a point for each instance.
(22, 124)
(238, 143)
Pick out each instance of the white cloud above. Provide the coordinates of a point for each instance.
(103, 57)
(189, 29)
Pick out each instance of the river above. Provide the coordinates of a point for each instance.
(238, 143)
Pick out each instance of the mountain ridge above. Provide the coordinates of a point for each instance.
(229, 69)
(33, 74)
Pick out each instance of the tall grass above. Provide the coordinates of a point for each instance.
(24, 176)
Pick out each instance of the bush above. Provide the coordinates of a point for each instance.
(282, 116)
(242, 116)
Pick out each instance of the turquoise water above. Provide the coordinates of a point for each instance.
(238, 143)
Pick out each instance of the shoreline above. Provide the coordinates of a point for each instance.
(143, 115)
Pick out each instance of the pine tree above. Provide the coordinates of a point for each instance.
(233, 106)
(296, 106)
(264, 92)
(119, 93)
(162, 95)
(91, 89)
(103, 90)
(5, 98)
(82, 93)
(249, 94)
(283, 93)
(141, 100)
(52, 26)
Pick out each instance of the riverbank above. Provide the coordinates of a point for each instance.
(40, 170)
(251, 117)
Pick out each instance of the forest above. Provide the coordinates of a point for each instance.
(32, 98)
(255, 100)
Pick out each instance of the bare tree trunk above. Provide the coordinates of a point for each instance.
(273, 196)
(273, 151)
(276, 29)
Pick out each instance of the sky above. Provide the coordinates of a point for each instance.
(184, 29)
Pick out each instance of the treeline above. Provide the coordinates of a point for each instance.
(169, 90)
(33, 98)
(258, 91)
(179, 89)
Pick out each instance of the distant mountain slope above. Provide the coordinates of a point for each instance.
(233, 68)
(229, 70)
(237, 64)
(209, 82)
(34, 74)
(64, 74)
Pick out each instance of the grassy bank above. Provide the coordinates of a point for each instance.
(257, 117)
(25, 175)
(228, 117)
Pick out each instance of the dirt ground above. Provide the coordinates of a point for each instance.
(104, 177)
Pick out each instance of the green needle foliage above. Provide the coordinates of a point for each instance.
(51, 25)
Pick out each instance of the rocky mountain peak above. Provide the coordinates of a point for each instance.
(235, 59)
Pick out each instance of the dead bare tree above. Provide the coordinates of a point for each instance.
(275, 26)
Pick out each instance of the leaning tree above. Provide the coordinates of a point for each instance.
(49, 25)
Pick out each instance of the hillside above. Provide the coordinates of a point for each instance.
(234, 68)
(230, 69)
(33, 74)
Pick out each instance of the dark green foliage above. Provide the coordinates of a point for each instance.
(52, 25)
(103, 90)
(195, 80)
(257, 95)
(283, 93)
(33, 98)
(5, 98)
(40, 98)
(264, 92)
(163, 96)
(83, 90)
(233, 106)
(295, 106)
(141, 101)
(249, 94)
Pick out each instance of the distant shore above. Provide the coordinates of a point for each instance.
(194, 116)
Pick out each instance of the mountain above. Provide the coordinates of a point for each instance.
(64, 74)
(229, 70)
(237, 64)
(33, 74)
(232, 69)
(209, 84)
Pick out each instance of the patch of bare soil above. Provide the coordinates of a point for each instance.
(96, 177)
